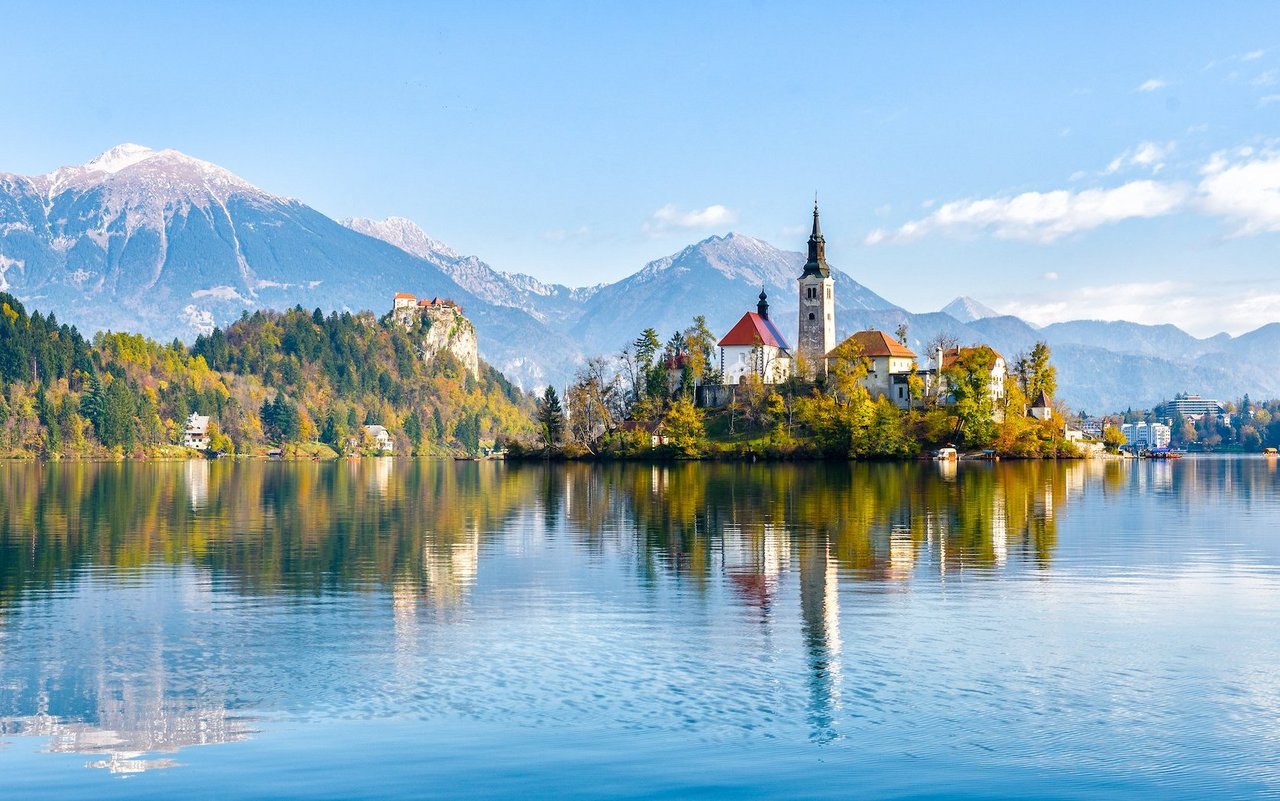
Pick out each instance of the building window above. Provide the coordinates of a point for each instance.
(810, 315)
(828, 293)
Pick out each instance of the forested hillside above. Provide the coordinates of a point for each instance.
(295, 379)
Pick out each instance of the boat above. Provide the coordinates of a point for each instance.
(1161, 453)
(945, 455)
(1270, 453)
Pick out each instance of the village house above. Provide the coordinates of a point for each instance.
(754, 346)
(947, 359)
(380, 438)
(654, 430)
(1041, 407)
(889, 365)
(196, 433)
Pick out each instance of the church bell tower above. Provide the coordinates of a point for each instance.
(817, 303)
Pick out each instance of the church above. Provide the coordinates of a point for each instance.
(755, 346)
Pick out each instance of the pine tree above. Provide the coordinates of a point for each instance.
(551, 417)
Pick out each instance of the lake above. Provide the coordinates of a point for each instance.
(352, 630)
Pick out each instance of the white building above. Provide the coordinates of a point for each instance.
(755, 346)
(196, 434)
(381, 439)
(995, 380)
(1146, 436)
(1193, 407)
(889, 364)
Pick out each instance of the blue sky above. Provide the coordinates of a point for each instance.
(1057, 161)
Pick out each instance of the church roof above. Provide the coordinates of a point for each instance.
(752, 330)
(1041, 401)
(878, 343)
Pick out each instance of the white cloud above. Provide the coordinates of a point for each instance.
(1043, 216)
(1267, 100)
(1246, 189)
(1050, 276)
(669, 219)
(1152, 303)
(1267, 78)
(1151, 85)
(1147, 154)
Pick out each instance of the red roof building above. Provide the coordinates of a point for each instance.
(754, 330)
(878, 344)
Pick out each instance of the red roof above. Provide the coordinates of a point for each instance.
(403, 295)
(753, 330)
(950, 355)
(878, 343)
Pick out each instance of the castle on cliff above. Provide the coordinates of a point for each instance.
(443, 326)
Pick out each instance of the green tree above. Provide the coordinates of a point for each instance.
(551, 417)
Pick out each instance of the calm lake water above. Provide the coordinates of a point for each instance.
(379, 628)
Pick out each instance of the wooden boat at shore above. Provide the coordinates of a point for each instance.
(1160, 453)
(1270, 453)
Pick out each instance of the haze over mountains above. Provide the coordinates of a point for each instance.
(168, 245)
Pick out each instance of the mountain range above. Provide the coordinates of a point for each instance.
(158, 242)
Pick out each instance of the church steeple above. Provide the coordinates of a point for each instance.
(817, 263)
(762, 308)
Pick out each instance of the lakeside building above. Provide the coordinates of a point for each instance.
(755, 346)
(947, 358)
(380, 438)
(889, 365)
(196, 433)
(1146, 436)
(1193, 407)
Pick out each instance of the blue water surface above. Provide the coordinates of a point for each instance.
(391, 628)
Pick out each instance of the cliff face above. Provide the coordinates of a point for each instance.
(446, 329)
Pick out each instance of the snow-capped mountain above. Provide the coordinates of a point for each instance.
(966, 309)
(159, 242)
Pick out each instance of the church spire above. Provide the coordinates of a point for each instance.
(817, 263)
(762, 308)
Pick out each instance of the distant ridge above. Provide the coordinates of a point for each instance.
(164, 244)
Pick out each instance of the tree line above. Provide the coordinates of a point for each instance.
(292, 379)
(642, 399)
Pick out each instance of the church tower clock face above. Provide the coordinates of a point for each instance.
(817, 335)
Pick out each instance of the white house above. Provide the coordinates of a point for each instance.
(380, 437)
(995, 380)
(755, 346)
(1041, 407)
(889, 364)
(196, 434)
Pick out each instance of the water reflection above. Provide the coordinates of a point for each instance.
(145, 608)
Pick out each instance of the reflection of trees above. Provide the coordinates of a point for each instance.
(262, 527)
(882, 520)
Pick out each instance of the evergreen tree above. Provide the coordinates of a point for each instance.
(551, 416)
